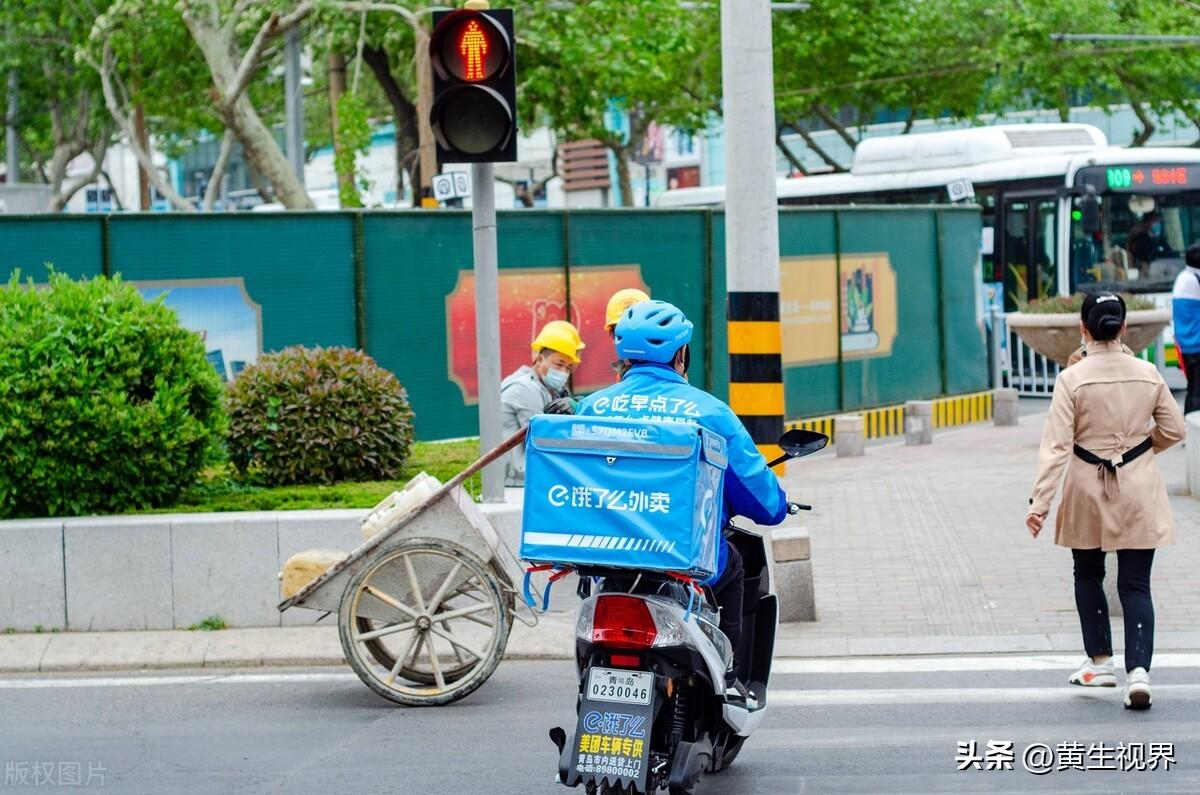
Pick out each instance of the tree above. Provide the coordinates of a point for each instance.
(232, 41)
(383, 37)
(1156, 80)
(653, 61)
(840, 63)
(61, 109)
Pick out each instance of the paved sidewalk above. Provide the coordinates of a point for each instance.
(916, 550)
(917, 542)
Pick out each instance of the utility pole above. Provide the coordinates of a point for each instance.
(487, 321)
(293, 101)
(10, 132)
(752, 221)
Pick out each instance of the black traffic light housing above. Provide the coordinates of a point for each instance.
(474, 112)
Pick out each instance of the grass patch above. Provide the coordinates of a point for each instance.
(219, 490)
(210, 624)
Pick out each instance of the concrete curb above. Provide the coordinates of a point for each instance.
(552, 639)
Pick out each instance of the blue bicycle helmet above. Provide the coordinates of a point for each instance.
(652, 331)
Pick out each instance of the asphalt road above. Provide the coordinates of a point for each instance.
(321, 731)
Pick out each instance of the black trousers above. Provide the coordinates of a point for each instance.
(729, 593)
(1133, 587)
(1191, 365)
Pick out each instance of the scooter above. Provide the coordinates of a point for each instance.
(654, 711)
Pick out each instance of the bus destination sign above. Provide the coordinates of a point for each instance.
(1167, 177)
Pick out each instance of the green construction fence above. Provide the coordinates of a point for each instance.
(396, 284)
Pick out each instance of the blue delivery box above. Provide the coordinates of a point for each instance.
(622, 493)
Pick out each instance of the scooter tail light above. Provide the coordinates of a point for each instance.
(623, 622)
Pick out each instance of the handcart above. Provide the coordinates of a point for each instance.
(426, 604)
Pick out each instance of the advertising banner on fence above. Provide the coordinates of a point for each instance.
(822, 306)
(528, 300)
(221, 312)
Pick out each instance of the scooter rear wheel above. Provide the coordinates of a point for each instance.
(731, 751)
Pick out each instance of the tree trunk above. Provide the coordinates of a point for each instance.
(139, 127)
(825, 115)
(1148, 125)
(218, 172)
(427, 145)
(337, 87)
(787, 153)
(404, 113)
(259, 147)
(262, 153)
(624, 180)
(62, 195)
(817, 150)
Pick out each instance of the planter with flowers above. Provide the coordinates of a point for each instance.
(1050, 326)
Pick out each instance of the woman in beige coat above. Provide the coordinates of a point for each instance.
(1099, 430)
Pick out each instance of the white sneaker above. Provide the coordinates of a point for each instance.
(1091, 674)
(1137, 689)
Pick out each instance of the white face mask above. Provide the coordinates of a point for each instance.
(556, 379)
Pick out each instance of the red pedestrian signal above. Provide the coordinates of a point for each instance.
(474, 86)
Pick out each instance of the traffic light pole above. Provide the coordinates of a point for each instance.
(752, 222)
(487, 322)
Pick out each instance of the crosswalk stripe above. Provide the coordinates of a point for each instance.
(159, 681)
(908, 665)
(964, 695)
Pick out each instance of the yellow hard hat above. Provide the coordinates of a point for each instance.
(621, 300)
(560, 337)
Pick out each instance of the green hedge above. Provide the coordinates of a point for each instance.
(106, 403)
(319, 415)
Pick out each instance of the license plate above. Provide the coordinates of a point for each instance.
(622, 687)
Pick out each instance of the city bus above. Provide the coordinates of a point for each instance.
(1031, 182)
(1062, 212)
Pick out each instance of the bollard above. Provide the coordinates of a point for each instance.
(1004, 407)
(918, 422)
(849, 435)
(793, 574)
(1192, 452)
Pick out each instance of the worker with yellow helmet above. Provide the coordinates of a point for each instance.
(530, 389)
(618, 305)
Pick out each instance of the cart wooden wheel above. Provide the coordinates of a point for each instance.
(424, 622)
(418, 671)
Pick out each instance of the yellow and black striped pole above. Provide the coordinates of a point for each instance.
(756, 367)
(751, 221)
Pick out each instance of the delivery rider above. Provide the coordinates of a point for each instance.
(617, 306)
(653, 337)
(530, 389)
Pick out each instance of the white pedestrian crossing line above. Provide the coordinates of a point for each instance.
(174, 681)
(966, 695)
(982, 662)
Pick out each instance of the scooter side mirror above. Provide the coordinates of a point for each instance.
(798, 443)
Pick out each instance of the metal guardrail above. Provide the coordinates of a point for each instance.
(1014, 364)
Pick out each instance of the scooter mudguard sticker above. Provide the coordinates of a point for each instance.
(613, 743)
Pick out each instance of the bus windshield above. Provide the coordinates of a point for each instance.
(1140, 244)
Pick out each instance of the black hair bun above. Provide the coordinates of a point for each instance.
(1105, 317)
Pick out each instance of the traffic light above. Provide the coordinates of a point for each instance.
(474, 113)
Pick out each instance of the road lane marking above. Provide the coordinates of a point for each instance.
(159, 681)
(982, 662)
(965, 695)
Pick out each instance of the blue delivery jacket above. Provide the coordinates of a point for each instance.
(657, 392)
